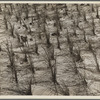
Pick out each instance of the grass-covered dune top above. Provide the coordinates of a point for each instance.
(50, 49)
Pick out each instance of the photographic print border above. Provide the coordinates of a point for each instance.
(6, 97)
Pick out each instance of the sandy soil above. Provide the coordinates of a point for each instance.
(70, 83)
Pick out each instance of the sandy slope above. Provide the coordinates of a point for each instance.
(66, 77)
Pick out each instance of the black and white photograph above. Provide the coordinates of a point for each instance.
(50, 49)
